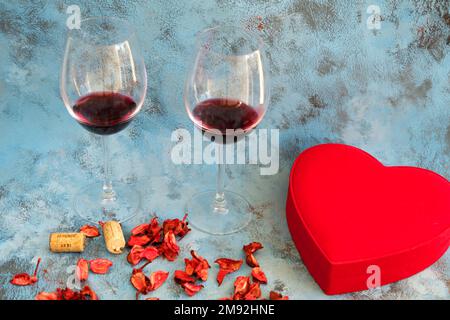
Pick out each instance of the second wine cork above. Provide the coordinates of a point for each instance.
(67, 242)
(113, 234)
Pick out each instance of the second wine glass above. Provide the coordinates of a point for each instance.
(226, 95)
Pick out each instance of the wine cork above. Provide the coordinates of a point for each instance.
(114, 239)
(67, 242)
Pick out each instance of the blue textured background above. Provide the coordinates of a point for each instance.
(387, 91)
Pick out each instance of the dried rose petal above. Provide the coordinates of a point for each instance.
(90, 231)
(198, 266)
(170, 248)
(24, 279)
(182, 277)
(46, 296)
(150, 253)
(171, 241)
(254, 292)
(221, 275)
(138, 240)
(157, 279)
(259, 275)
(154, 231)
(140, 281)
(190, 266)
(88, 294)
(238, 297)
(227, 266)
(135, 255)
(170, 225)
(201, 269)
(67, 294)
(252, 247)
(82, 270)
(140, 229)
(249, 249)
(178, 227)
(191, 289)
(100, 266)
(277, 296)
(251, 261)
(241, 285)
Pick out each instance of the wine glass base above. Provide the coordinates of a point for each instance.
(90, 205)
(203, 216)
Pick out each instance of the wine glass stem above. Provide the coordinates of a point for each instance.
(108, 191)
(220, 204)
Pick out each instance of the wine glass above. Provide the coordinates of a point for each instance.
(226, 95)
(103, 86)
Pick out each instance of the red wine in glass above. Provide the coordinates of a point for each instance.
(223, 113)
(104, 113)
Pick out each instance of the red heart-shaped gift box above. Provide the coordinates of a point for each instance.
(349, 215)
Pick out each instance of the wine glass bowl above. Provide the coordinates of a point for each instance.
(102, 59)
(103, 86)
(226, 88)
(226, 94)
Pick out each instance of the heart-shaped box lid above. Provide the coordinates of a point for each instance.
(358, 223)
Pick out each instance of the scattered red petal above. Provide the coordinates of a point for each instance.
(241, 285)
(182, 277)
(88, 294)
(277, 296)
(90, 231)
(249, 249)
(150, 240)
(254, 292)
(178, 227)
(157, 279)
(227, 266)
(221, 275)
(24, 279)
(140, 281)
(82, 270)
(190, 266)
(251, 261)
(150, 253)
(191, 289)
(100, 266)
(198, 266)
(46, 296)
(252, 247)
(138, 240)
(140, 229)
(170, 248)
(135, 255)
(259, 275)
(67, 294)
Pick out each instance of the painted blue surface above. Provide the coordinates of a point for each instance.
(386, 91)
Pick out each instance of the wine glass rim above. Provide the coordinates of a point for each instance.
(131, 31)
(249, 33)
